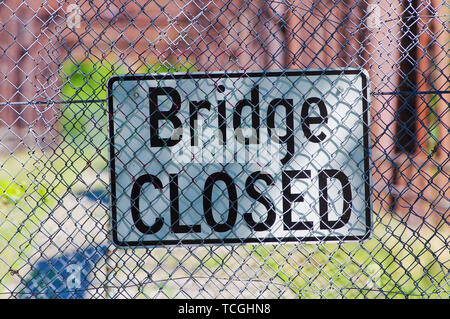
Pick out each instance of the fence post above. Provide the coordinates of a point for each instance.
(27, 66)
(441, 54)
(441, 83)
(420, 175)
(383, 53)
(9, 55)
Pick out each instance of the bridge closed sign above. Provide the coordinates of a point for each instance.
(239, 157)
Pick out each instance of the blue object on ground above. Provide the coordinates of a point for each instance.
(97, 194)
(64, 276)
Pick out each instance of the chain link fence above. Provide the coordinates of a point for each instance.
(72, 150)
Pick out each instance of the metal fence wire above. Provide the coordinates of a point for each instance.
(354, 202)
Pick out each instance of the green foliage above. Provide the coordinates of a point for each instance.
(11, 192)
(83, 118)
(22, 208)
(396, 263)
(167, 67)
(433, 131)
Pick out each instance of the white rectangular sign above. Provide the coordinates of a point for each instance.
(213, 158)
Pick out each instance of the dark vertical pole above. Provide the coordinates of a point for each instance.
(406, 140)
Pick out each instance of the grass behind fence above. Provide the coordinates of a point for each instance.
(397, 262)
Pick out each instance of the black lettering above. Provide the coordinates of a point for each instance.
(288, 138)
(221, 118)
(135, 212)
(156, 115)
(237, 117)
(194, 107)
(290, 198)
(174, 210)
(232, 201)
(268, 204)
(308, 120)
(323, 199)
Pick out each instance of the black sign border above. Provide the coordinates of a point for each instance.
(221, 75)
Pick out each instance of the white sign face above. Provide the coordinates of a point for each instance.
(218, 158)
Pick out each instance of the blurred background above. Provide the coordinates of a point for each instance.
(55, 59)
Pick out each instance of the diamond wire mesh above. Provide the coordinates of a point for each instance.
(55, 59)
